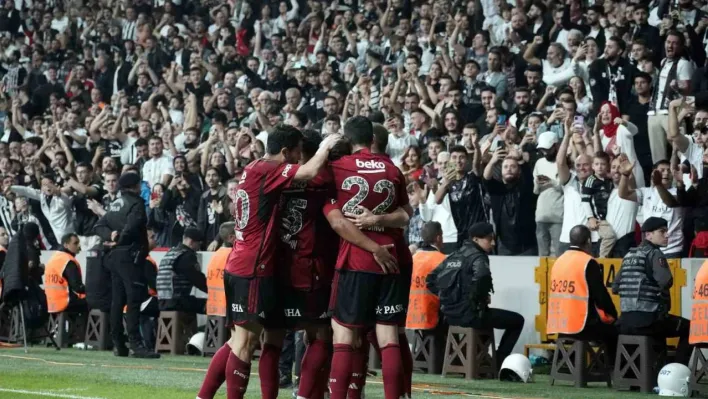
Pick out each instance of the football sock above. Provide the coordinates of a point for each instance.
(406, 363)
(391, 370)
(316, 355)
(268, 371)
(359, 366)
(237, 374)
(216, 373)
(341, 371)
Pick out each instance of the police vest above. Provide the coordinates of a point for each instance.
(171, 285)
(423, 306)
(699, 310)
(55, 285)
(151, 291)
(569, 297)
(637, 292)
(216, 301)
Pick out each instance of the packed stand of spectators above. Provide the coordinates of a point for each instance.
(536, 118)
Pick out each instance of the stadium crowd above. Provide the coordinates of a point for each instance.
(477, 98)
(535, 116)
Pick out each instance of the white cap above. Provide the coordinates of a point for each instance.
(546, 140)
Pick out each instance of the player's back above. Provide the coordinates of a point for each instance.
(255, 214)
(366, 180)
(305, 234)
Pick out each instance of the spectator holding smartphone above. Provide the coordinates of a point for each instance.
(550, 196)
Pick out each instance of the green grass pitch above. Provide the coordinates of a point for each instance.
(75, 374)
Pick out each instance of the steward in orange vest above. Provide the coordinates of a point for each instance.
(578, 301)
(216, 301)
(699, 310)
(423, 305)
(63, 283)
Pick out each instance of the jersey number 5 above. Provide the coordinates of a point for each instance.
(352, 206)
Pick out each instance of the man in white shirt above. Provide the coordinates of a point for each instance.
(621, 214)
(674, 78)
(159, 168)
(572, 182)
(658, 201)
(549, 220)
(56, 206)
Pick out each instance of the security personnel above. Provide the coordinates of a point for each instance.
(63, 282)
(423, 306)
(579, 304)
(179, 272)
(4, 240)
(699, 310)
(463, 282)
(643, 284)
(124, 232)
(216, 302)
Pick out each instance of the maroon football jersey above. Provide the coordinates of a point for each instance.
(256, 217)
(367, 180)
(306, 235)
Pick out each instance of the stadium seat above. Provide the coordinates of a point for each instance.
(638, 361)
(428, 350)
(68, 328)
(699, 371)
(215, 334)
(174, 330)
(98, 330)
(578, 361)
(467, 352)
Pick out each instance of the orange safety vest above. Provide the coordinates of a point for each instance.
(423, 306)
(55, 285)
(216, 301)
(699, 310)
(151, 291)
(569, 296)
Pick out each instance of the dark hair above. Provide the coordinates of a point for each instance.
(380, 137)
(141, 142)
(458, 148)
(66, 238)
(359, 130)
(602, 155)
(85, 165)
(301, 117)
(283, 136)
(429, 231)
(620, 43)
(311, 140)
(579, 235)
(659, 163)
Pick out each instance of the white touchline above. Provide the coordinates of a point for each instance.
(47, 393)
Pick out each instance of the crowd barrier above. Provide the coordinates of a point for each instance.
(518, 279)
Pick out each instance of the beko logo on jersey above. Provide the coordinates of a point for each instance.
(370, 164)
